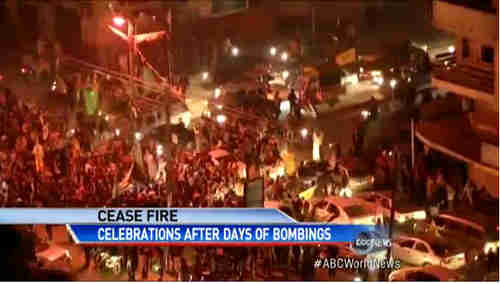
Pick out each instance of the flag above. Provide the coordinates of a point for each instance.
(126, 180)
(308, 194)
(139, 38)
(118, 32)
(346, 57)
(91, 101)
(149, 36)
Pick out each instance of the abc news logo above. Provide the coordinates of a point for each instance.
(369, 242)
(373, 243)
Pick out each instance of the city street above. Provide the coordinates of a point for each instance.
(380, 116)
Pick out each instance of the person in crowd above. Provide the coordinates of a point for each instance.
(468, 192)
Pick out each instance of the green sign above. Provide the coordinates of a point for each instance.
(91, 102)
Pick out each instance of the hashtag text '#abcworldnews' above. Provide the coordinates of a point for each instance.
(354, 264)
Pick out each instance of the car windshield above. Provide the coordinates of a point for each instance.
(442, 248)
(459, 230)
(421, 276)
(355, 210)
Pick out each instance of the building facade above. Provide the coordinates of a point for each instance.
(470, 136)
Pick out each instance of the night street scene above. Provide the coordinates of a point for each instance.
(346, 112)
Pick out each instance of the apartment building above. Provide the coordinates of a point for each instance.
(472, 135)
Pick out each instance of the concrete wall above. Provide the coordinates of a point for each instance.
(464, 21)
(474, 58)
(496, 75)
(485, 119)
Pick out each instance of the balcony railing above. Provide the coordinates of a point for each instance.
(466, 77)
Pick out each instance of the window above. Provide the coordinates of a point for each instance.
(421, 247)
(405, 243)
(487, 54)
(465, 48)
(332, 209)
(322, 204)
(421, 276)
(355, 211)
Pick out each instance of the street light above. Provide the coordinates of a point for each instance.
(204, 76)
(235, 51)
(284, 56)
(451, 49)
(159, 150)
(273, 51)
(138, 136)
(365, 114)
(285, 74)
(117, 132)
(119, 20)
(304, 132)
(221, 118)
(217, 92)
(393, 84)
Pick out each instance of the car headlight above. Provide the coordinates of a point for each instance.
(346, 192)
(490, 247)
(419, 215)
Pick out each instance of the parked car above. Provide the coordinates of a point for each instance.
(310, 171)
(55, 258)
(341, 210)
(470, 234)
(427, 273)
(401, 213)
(428, 250)
(357, 175)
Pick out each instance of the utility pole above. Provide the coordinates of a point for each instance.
(131, 50)
(170, 46)
(412, 125)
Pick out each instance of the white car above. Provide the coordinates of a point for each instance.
(428, 273)
(340, 210)
(469, 234)
(401, 215)
(428, 251)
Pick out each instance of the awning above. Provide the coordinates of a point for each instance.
(454, 137)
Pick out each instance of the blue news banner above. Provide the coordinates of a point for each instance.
(186, 226)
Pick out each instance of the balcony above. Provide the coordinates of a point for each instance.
(461, 141)
(470, 18)
(466, 81)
